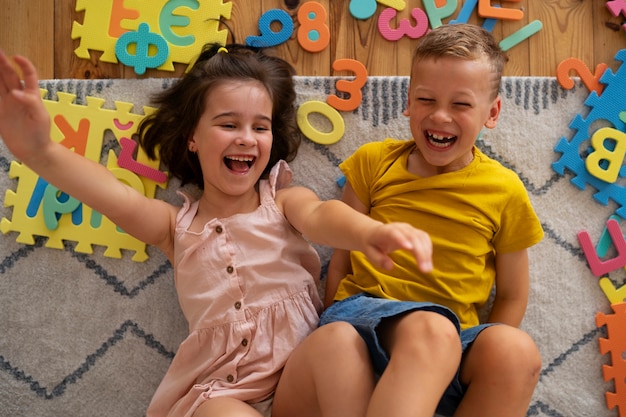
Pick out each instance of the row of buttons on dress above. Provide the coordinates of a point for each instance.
(230, 269)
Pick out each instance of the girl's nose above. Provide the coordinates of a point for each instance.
(246, 137)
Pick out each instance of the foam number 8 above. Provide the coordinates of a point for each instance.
(313, 34)
(353, 87)
(313, 106)
(268, 36)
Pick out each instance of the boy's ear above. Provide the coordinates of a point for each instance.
(494, 113)
(405, 112)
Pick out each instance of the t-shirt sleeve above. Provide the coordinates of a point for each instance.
(520, 227)
(360, 168)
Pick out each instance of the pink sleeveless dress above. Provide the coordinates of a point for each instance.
(247, 285)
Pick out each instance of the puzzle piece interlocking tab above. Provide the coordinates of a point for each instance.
(615, 345)
(142, 27)
(39, 209)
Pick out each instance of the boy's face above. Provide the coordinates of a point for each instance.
(450, 100)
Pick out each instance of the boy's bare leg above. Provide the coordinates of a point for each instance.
(329, 374)
(501, 369)
(425, 352)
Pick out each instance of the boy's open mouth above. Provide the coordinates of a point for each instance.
(439, 141)
(239, 163)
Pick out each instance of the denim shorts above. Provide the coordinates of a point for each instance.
(365, 313)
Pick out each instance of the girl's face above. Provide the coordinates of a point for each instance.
(233, 138)
(450, 100)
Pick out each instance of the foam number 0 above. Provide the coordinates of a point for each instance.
(404, 28)
(352, 87)
(591, 81)
(268, 37)
(313, 106)
(313, 34)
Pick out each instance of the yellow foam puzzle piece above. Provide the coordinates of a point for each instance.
(82, 129)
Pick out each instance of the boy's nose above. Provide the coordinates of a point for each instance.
(440, 114)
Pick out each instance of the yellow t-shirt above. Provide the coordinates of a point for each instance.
(470, 214)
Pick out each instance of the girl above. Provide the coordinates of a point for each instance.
(245, 275)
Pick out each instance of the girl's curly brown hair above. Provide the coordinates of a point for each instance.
(165, 133)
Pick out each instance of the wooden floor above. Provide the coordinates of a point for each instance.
(581, 29)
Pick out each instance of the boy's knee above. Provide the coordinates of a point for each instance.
(424, 330)
(514, 350)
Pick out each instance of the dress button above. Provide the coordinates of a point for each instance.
(230, 269)
(244, 342)
(230, 378)
(219, 229)
(238, 305)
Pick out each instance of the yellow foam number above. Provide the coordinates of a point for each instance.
(603, 163)
(313, 106)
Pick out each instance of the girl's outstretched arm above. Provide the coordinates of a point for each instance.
(25, 129)
(334, 223)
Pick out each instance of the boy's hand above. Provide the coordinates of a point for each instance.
(399, 236)
(24, 121)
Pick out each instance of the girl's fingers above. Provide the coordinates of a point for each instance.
(9, 80)
(31, 82)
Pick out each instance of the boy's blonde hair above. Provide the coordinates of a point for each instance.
(464, 41)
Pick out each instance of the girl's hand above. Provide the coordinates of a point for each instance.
(24, 121)
(399, 236)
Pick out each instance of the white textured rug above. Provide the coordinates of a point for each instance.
(87, 334)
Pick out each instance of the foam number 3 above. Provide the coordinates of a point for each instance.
(591, 81)
(404, 28)
(313, 34)
(352, 87)
(268, 37)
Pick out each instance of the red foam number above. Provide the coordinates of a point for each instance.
(352, 87)
(313, 34)
(591, 81)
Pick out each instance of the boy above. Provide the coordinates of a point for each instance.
(407, 343)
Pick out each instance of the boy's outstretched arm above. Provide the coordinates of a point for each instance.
(25, 129)
(334, 223)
